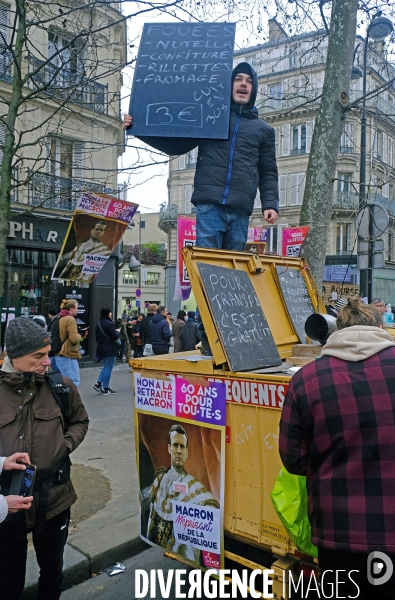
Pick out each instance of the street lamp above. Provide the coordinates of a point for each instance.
(379, 28)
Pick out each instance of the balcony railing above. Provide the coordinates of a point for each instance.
(6, 60)
(66, 85)
(60, 192)
(350, 201)
(167, 217)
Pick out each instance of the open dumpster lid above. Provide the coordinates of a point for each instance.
(253, 307)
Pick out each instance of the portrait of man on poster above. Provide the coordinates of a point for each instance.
(169, 484)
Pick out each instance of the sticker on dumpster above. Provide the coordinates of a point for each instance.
(259, 393)
(273, 530)
(154, 395)
(199, 402)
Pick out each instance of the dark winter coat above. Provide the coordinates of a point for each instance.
(105, 339)
(159, 331)
(189, 335)
(28, 406)
(230, 171)
(177, 326)
(144, 328)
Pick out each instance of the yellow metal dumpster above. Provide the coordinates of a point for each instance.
(254, 536)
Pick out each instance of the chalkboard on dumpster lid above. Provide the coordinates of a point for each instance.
(182, 81)
(296, 297)
(239, 319)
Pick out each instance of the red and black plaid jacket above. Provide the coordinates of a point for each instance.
(338, 429)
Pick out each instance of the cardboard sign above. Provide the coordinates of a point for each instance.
(182, 82)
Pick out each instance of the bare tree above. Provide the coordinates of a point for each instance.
(60, 70)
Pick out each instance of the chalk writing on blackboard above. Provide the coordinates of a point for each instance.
(296, 297)
(240, 320)
(188, 67)
(175, 113)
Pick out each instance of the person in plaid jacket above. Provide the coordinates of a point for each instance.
(338, 429)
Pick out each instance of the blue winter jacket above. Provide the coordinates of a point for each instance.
(159, 330)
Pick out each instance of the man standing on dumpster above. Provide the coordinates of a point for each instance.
(229, 172)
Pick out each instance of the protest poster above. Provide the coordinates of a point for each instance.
(256, 240)
(180, 458)
(186, 236)
(97, 226)
(293, 239)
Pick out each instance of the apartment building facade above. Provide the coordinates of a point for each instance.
(291, 75)
(68, 139)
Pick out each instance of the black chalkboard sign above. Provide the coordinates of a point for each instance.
(297, 299)
(245, 334)
(182, 81)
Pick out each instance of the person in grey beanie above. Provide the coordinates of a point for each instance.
(33, 423)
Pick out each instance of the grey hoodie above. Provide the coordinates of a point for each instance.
(357, 343)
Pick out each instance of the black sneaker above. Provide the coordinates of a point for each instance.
(107, 391)
(97, 388)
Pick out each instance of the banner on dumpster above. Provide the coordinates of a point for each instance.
(186, 236)
(180, 457)
(97, 226)
(293, 239)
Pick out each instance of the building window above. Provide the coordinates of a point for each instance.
(347, 139)
(378, 145)
(152, 279)
(275, 96)
(66, 56)
(343, 183)
(299, 139)
(343, 238)
(192, 158)
(130, 277)
(296, 188)
(188, 206)
(390, 246)
(391, 192)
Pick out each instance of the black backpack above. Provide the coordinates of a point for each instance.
(56, 342)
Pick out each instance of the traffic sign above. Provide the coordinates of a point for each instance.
(146, 304)
(138, 303)
(138, 293)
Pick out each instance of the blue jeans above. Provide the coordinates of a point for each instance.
(218, 226)
(69, 367)
(105, 373)
(54, 366)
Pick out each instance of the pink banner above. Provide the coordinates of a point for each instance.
(186, 236)
(106, 206)
(293, 239)
(199, 402)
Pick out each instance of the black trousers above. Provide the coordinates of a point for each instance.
(341, 564)
(160, 349)
(49, 546)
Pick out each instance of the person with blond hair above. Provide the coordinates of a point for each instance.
(67, 357)
(338, 429)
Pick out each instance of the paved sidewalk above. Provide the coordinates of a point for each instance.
(112, 534)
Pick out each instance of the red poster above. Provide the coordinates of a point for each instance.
(293, 239)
